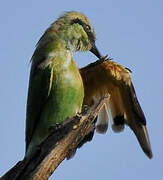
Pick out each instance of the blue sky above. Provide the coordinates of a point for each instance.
(129, 31)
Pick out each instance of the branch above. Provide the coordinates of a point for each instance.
(61, 142)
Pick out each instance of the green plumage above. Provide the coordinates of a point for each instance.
(55, 87)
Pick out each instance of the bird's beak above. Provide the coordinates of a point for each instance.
(95, 51)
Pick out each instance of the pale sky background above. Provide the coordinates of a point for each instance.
(129, 31)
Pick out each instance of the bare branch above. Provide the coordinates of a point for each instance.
(59, 144)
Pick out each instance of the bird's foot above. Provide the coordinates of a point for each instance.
(61, 126)
(85, 109)
(56, 127)
(69, 120)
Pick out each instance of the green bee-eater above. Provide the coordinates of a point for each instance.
(55, 87)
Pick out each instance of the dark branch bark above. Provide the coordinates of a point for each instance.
(59, 144)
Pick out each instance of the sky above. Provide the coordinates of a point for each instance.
(129, 31)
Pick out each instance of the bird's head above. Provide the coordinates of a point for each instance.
(75, 28)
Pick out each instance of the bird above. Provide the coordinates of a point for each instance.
(56, 88)
(108, 77)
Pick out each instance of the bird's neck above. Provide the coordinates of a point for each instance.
(67, 38)
(62, 59)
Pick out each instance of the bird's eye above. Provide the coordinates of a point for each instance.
(87, 28)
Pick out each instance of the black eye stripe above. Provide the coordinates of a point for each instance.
(77, 20)
(86, 27)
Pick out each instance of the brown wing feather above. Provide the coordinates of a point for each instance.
(108, 77)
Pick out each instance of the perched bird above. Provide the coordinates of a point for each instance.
(55, 86)
(58, 89)
(108, 77)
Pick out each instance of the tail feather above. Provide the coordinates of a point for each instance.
(142, 135)
(115, 106)
(102, 122)
(135, 119)
(119, 123)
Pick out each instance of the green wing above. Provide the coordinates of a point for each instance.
(37, 96)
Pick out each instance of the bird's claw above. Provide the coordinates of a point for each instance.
(55, 127)
(85, 109)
